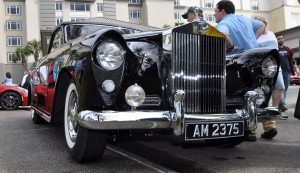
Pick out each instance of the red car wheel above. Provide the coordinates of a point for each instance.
(10, 100)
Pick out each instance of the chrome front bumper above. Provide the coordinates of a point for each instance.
(173, 120)
(112, 120)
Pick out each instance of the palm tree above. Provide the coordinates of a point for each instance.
(20, 53)
(34, 48)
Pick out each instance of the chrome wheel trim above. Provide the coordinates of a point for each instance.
(71, 116)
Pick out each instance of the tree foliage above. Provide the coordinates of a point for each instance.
(20, 54)
(33, 47)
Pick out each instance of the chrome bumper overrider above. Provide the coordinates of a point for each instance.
(113, 120)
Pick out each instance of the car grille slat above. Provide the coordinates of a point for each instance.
(198, 68)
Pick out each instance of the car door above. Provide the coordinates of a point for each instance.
(41, 93)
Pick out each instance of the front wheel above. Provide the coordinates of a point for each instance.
(10, 100)
(83, 145)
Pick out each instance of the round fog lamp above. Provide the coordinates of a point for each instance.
(108, 86)
(261, 96)
(135, 95)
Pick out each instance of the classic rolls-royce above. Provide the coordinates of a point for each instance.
(104, 79)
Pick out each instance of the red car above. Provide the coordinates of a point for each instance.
(295, 79)
(13, 96)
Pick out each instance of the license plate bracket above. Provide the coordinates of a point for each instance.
(213, 130)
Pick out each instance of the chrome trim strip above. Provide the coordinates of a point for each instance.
(179, 113)
(43, 115)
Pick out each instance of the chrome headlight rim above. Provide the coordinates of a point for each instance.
(109, 54)
(269, 66)
(135, 96)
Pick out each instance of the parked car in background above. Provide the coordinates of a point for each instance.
(109, 79)
(12, 96)
(295, 79)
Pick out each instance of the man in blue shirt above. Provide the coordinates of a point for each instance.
(241, 32)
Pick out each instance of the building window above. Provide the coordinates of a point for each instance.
(210, 18)
(58, 5)
(59, 20)
(13, 9)
(254, 7)
(76, 6)
(100, 7)
(209, 5)
(135, 14)
(134, 1)
(13, 25)
(10, 57)
(14, 41)
(177, 15)
(254, 4)
(176, 2)
(78, 19)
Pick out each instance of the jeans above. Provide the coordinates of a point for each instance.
(286, 81)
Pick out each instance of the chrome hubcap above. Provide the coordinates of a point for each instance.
(72, 116)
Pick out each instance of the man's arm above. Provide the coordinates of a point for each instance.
(260, 30)
(229, 44)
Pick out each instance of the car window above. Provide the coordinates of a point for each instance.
(74, 31)
(44, 74)
(35, 78)
(58, 40)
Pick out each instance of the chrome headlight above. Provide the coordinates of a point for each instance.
(108, 86)
(261, 96)
(269, 66)
(110, 55)
(135, 95)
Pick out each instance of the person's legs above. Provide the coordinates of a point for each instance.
(277, 94)
(270, 130)
(276, 97)
(270, 126)
(286, 81)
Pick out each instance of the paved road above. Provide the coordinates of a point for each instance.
(26, 147)
(263, 156)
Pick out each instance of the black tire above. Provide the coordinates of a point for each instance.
(36, 118)
(10, 100)
(83, 145)
(225, 143)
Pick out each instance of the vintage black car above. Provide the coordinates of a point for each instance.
(102, 80)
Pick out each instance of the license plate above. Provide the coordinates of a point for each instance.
(211, 130)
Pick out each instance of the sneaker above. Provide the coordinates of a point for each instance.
(283, 109)
(283, 116)
(269, 134)
(250, 138)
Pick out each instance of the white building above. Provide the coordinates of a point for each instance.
(25, 20)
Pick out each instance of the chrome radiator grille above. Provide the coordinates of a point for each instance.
(198, 68)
